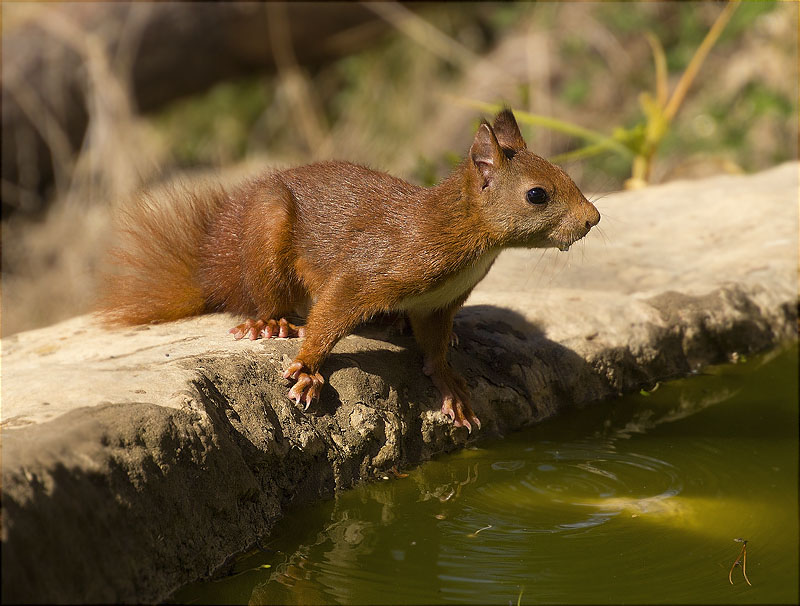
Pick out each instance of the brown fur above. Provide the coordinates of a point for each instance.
(354, 241)
(158, 256)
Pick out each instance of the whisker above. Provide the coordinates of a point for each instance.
(602, 235)
(535, 267)
(561, 266)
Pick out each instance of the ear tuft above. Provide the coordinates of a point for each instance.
(507, 131)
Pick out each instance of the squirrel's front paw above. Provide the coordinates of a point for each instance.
(459, 410)
(308, 385)
(267, 328)
(455, 396)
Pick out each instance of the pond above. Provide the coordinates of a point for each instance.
(644, 499)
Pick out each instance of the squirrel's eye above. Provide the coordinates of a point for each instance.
(537, 195)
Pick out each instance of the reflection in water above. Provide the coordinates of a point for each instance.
(635, 500)
(348, 540)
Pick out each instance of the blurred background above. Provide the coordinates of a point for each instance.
(102, 99)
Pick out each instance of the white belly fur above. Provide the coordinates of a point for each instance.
(451, 289)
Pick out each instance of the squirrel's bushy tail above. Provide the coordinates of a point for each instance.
(158, 256)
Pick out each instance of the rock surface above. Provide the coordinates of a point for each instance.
(136, 460)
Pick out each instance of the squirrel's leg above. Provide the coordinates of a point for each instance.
(433, 332)
(330, 319)
(273, 296)
(246, 265)
(270, 307)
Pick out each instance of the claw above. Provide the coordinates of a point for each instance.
(298, 390)
(283, 328)
(307, 386)
(237, 332)
(267, 329)
(293, 371)
(455, 397)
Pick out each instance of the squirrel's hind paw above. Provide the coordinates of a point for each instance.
(255, 329)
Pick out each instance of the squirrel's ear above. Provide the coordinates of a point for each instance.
(486, 154)
(507, 132)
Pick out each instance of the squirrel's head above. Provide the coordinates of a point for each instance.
(527, 200)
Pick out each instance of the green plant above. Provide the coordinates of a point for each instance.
(638, 143)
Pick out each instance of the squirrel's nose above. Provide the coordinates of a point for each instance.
(593, 218)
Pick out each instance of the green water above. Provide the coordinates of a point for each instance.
(637, 500)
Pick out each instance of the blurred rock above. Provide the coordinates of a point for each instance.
(159, 51)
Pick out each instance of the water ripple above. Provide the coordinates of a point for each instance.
(576, 486)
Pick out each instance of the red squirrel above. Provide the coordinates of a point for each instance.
(352, 241)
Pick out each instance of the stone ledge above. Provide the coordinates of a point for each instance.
(136, 460)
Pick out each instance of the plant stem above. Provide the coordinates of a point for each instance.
(660, 61)
(552, 123)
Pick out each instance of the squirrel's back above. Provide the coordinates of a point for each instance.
(185, 251)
